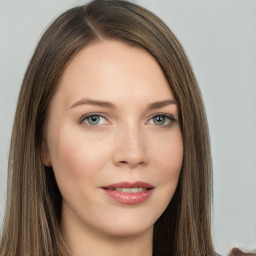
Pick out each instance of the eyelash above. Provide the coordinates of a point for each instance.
(165, 115)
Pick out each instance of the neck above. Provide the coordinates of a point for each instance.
(86, 241)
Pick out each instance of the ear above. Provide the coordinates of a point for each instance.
(45, 155)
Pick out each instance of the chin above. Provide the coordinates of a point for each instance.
(129, 230)
(128, 225)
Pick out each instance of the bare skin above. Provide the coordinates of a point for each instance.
(113, 119)
(119, 143)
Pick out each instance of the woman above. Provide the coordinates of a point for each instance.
(110, 149)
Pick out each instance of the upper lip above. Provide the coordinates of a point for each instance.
(127, 184)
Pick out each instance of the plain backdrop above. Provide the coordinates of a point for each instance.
(220, 40)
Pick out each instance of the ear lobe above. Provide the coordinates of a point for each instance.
(45, 156)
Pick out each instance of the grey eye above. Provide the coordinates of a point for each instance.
(159, 119)
(93, 120)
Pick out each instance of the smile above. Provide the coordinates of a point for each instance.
(129, 193)
(129, 190)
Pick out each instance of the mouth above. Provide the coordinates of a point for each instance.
(129, 187)
(129, 193)
(128, 190)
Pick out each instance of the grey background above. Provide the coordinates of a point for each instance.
(220, 39)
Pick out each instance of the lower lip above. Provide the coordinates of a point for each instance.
(129, 198)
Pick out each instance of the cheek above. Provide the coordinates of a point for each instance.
(168, 163)
(170, 158)
(75, 160)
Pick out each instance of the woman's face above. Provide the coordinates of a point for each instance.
(113, 140)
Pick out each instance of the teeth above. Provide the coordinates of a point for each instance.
(130, 190)
(134, 190)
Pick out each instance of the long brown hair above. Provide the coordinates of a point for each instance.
(33, 211)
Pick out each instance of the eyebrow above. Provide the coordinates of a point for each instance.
(154, 105)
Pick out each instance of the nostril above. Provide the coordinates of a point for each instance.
(126, 156)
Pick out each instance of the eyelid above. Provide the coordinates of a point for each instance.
(167, 115)
(84, 117)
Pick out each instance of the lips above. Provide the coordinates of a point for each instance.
(129, 193)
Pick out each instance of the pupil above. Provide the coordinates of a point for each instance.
(94, 119)
(159, 119)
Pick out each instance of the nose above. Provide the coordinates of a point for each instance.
(130, 148)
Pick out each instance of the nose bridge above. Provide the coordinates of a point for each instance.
(130, 145)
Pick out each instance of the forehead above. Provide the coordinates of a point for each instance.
(114, 70)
